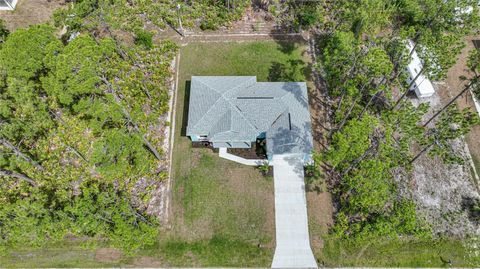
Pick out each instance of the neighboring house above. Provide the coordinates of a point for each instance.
(235, 111)
(8, 4)
(422, 86)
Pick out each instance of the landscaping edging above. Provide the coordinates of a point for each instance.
(170, 138)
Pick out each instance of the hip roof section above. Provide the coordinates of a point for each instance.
(238, 108)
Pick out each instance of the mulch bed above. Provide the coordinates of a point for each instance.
(250, 154)
(204, 145)
(254, 153)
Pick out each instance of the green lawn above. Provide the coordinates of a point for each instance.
(65, 254)
(398, 253)
(224, 212)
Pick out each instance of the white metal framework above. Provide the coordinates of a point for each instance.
(8, 4)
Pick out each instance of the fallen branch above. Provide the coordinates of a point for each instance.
(16, 175)
(20, 154)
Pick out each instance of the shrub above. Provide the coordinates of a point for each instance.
(3, 31)
(264, 168)
(144, 38)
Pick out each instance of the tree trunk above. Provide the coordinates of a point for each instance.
(130, 120)
(16, 175)
(20, 154)
(73, 149)
(421, 153)
(472, 82)
(368, 104)
(416, 77)
(123, 54)
(352, 106)
(408, 88)
(340, 101)
(150, 146)
(374, 145)
(373, 96)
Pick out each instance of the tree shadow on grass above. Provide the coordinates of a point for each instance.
(186, 103)
(293, 70)
(286, 47)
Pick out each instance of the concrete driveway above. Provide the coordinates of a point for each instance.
(293, 242)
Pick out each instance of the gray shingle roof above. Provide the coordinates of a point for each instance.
(238, 109)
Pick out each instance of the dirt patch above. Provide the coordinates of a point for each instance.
(256, 23)
(320, 208)
(28, 12)
(453, 86)
(440, 190)
(146, 261)
(320, 218)
(108, 255)
(319, 200)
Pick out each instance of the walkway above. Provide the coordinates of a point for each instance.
(293, 243)
(222, 152)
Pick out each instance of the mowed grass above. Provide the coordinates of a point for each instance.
(224, 211)
(59, 255)
(404, 252)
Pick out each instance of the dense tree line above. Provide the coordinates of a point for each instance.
(81, 119)
(375, 130)
(133, 15)
(79, 125)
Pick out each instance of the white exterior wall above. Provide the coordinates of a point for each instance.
(240, 145)
(422, 86)
(8, 4)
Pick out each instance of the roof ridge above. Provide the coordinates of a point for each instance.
(210, 87)
(281, 114)
(229, 90)
(221, 97)
(230, 103)
(241, 114)
(213, 105)
(237, 109)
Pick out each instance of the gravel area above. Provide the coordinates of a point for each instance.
(444, 194)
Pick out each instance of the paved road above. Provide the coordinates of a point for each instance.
(293, 243)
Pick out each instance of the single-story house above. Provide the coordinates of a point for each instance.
(422, 86)
(235, 111)
(8, 4)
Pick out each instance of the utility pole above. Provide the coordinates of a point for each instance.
(182, 32)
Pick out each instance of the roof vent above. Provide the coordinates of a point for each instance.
(255, 97)
(289, 122)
